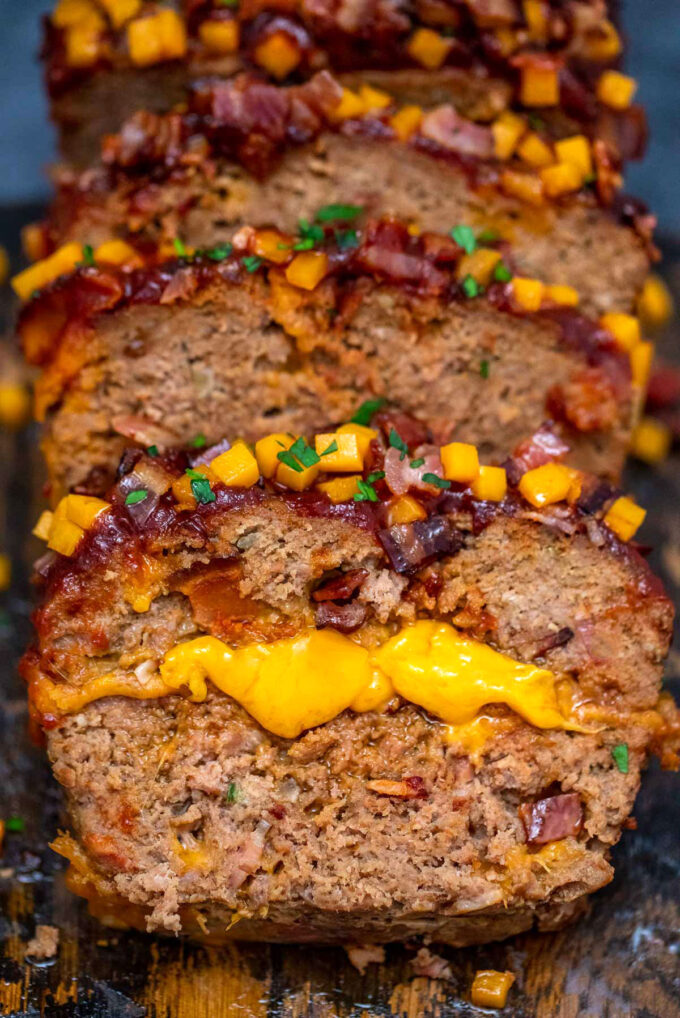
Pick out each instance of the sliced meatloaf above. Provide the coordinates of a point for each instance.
(278, 331)
(248, 152)
(284, 711)
(104, 61)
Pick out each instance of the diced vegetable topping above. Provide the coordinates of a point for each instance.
(620, 755)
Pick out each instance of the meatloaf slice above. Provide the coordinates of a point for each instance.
(103, 64)
(258, 702)
(162, 353)
(247, 152)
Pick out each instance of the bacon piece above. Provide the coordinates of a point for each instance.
(343, 617)
(543, 446)
(341, 587)
(552, 819)
(588, 401)
(447, 128)
(401, 477)
(410, 430)
(411, 545)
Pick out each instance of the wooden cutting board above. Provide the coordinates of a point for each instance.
(622, 961)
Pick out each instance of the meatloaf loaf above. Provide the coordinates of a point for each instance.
(413, 698)
(247, 152)
(104, 61)
(279, 331)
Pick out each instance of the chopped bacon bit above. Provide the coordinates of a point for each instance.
(554, 640)
(447, 128)
(410, 545)
(341, 587)
(553, 818)
(588, 401)
(542, 447)
(343, 617)
(408, 788)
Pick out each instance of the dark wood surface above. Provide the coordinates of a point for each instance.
(622, 961)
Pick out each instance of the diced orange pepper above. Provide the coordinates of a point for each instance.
(34, 242)
(535, 151)
(64, 537)
(364, 435)
(508, 40)
(43, 525)
(219, 36)
(651, 440)
(82, 45)
(460, 462)
(528, 187)
(267, 452)
(159, 37)
(616, 90)
(602, 43)
(624, 328)
(561, 179)
(406, 121)
(341, 489)
(374, 98)
(480, 265)
(558, 293)
(507, 130)
(641, 357)
(576, 151)
(536, 18)
(546, 484)
(68, 13)
(404, 509)
(273, 246)
(655, 304)
(5, 572)
(298, 480)
(120, 11)
(528, 293)
(237, 467)
(307, 269)
(173, 34)
(540, 86)
(118, 252)
(278, 54)
(491, 484)
(625, 517)
(82, 510)
(346, 456)
(37, 276)
(15, 405)
(350, 106)
(490, 988)
(428, 48)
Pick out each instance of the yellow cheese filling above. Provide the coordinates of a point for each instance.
(297, 683)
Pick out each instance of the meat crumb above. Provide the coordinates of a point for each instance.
(431, 965)
(44, 944)
(363, 955)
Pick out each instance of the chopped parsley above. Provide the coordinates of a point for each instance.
(377, 475)
(364, 414)
(232, 793)
(251, 263)
(346, 238)
(179, 247)
(333, 447)
(136, 496)
(465, 238)
(199, 442)
(201, 490)
(417, 463)
(152, 450)
(484, 369)
(15, 825)
(620, 755)
(228, 3)
(88, 255)
(195, 475)
(502, 273)
(435, 479)
(471, 287)
(310, 236)
(366, 492)
(300, 456)
(220, 252)
(397, 442)
(536, 123)
(488, 237)
(338, 213)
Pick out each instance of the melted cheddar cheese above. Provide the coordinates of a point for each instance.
(297, 683)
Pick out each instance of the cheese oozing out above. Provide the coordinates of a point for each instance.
(297, 683)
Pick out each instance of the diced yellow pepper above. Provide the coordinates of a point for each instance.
(404, 509)
(540, 86)
(15, 406)
(120, 11)
(480, 265)
(82, 45)
(307, 269)
(460, 462)
(559, 293)
(5, 572)
(118, 252)
(298, 480)
(655, 304)
(346, 458)
(624, 328)
(39, 275)
(533, 150)
(364, 435)
(64, 536)
(173, 34)
(268, 449)
(278, 54)
(34, 242)
(507, 130)
(43, 525)
(237, 467)
(428, 48)
(546, 484)
(641, 357)
(625, 517)
(561, 179)
(273, 246)
(491, 484)
(528, 293)
(536, 19)
(528, 187)
(651, 440)
(602, 44)
(406, 121)
(576, 151)
(374, 98)
(350, 106)
(341, 489)
(219, 36)
(490, 988)
(68, 13)
(82, 510)
(616, 90)
(160, 37)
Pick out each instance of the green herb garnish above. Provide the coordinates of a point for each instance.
(418, 463)
(471, 287)
(536, 123)
(435, 479)
(346, 238)
(377, 475)
(232, 792)
(338, 213)
(484, 369)
(202, 491)
(199, 442)
(195, 475)
(299, 456)
(333, 447)
(488, 237)
(220, 252)
(136, 496)
(397, 442)
(179, 247)
(620, 755)
(310, 236)
(366, 492)
(251, 263)
(502, 273)
(15, 825)
(228, 3)
(465, 238)
(152, 450)
(364, 414)
(88, 255)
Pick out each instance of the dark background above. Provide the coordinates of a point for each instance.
(652, 27)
